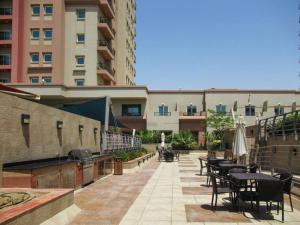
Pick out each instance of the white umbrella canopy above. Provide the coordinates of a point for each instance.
(162, 140)
(239, 140)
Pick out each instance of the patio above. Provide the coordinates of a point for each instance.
(177, 194)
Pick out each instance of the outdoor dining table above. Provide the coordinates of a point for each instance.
(252, 176)
(215, 161)
(226, 167)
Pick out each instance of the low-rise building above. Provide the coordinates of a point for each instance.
(174, 110)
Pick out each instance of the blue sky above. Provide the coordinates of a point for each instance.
(197, 44)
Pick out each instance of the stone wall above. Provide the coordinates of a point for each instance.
(40, 139)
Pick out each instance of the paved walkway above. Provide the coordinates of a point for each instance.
(106, 201)
(176, 194)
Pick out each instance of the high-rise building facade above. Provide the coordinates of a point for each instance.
(67, 42)
(125, 40)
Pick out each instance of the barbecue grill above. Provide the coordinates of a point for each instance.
(85, 158)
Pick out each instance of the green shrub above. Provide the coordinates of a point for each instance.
(183, 141)
(153, 136)
(129, 155)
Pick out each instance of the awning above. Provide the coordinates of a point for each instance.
(94, 109)
(13, 91)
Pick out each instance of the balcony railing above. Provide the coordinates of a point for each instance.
(106, 20)
(5, 11)
(162, 113)
(105, 67)
(104, 43)
(282, 125)
(111, 4)
(192, 114)
(5, 35)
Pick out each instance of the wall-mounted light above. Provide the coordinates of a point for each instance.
(59, 124)
(81, 128)
(95, 130)
(25, 118)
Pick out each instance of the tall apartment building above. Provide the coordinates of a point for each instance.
(66, 42)
(125, 40)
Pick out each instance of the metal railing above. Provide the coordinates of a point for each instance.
(104, 43)
(105, 67)
(162, 113)
(277, 158)
(5, 11)
(193, 114)
(119, 142)
(281, 125)
(106, 20)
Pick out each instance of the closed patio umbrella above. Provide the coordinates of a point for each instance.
(239, 141)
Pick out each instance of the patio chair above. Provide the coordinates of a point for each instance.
(218, 189)
(287, 179)
(202, 166)
(252, 168)
(271, 191)
(228, 154)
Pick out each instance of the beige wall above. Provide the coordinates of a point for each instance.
(257, 98)
(56, 46)
(177, 102)
(41, 139)
(88, 49)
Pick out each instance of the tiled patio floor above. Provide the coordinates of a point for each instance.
(174, 195)
(106, 201)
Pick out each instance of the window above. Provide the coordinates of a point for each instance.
(79, 82)
(34, 80)
(48, 34)
(163, 110)
(48, 9)
(35, 10)
(80, 38)
(191, 110)
(80, 14)
(250, 110)
(221, 108)
(80, 60)
(131, 110)
(47, 58)
(47, 80)
(4, 59)
(35, 34)
(279, 110)
(5, 35)
(34, 58)
(4, 80)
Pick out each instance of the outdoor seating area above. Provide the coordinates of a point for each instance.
(244, 183)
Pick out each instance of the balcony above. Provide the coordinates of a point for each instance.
(162, 113)
(105, 50)
(105, 72)
(5, 14)
(192, 116)
(107, 8)
(105, 26)
(5, 38)
(5, 63)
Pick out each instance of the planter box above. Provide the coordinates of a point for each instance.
(133, 165)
